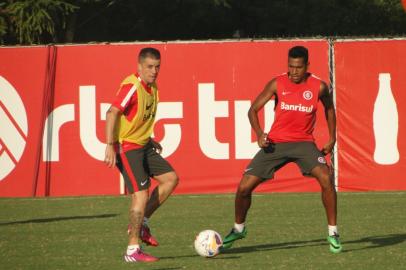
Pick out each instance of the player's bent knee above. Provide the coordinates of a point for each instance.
(326, 182)
(324, 177)
(136, 211)
(248, 184)
(245, 189)
(174, 181)
(244, 192)
(139, 199)
(168, 179)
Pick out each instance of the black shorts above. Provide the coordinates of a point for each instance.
(268, 160)
(138, 165)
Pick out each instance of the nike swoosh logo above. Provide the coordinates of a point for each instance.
(147, 107)
(143, 183)
(285, 93)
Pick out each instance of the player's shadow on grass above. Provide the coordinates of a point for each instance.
(371, 241)
(170, 268)
(54, 219)
(195, 255)
(376, 241)
(274, 246)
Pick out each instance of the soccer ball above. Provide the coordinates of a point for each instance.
(208, 243)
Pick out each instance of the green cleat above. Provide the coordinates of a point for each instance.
(232, 236)
(335, 244)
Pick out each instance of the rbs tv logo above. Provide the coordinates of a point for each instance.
(13, 128)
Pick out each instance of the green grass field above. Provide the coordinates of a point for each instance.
(285, 231)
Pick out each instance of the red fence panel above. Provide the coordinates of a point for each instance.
(22, 80)
(371, 112)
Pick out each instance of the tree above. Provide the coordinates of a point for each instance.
(37, 21)
(3, 23)
(44, 21)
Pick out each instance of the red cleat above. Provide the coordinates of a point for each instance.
(140, 256)
(145, 235)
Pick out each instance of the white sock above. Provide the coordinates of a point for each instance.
(146, 221)
(131, 249)
(332, 230)
(239, 227)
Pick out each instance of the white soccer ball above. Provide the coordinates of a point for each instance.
(208, 243)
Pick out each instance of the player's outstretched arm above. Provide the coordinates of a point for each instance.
(257, 105)
(327, 100)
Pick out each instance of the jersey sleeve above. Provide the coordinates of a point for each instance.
(124, 96)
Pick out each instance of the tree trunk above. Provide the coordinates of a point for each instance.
(70, 27)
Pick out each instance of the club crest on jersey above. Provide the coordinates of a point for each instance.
(322, 160)
(308, 95)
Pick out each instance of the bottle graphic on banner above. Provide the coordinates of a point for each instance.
(385, 122)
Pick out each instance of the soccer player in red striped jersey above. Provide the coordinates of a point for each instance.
(290, 139)
(129, 125)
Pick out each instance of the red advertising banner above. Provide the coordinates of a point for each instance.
(205, 91)
(22, 79)
(371, 112)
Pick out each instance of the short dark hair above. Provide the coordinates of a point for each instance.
(149, 52)
(299, 52)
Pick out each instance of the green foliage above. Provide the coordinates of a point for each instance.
(222, 3)
(42, 21)
(35, 20)
(3, 23)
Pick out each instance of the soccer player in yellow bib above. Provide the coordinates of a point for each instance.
(129, 125)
